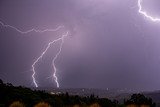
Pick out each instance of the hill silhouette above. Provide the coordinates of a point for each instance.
(10, 95)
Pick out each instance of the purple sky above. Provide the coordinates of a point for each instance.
(111, 46)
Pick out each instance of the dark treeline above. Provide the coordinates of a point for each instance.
(10, 94)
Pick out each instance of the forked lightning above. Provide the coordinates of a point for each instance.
(140, 10)
(54, 59)
(42, 54)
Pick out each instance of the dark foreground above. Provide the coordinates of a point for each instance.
(11, 96)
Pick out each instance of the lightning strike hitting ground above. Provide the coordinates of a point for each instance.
(145, 14)
(54, 59)
(48, 46)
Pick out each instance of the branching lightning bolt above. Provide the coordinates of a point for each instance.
(43, 53)
(31, 30)
(53, 62)
(154, 19)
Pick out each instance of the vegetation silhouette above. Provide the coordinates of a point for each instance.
(139, 100)
(42, 104)
(17, 104)
(9, 95)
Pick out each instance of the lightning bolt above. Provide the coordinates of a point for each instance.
(145, 14)
(31, 30)
(54, 59)
(44, 52)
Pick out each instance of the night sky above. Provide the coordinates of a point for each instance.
(110, 44)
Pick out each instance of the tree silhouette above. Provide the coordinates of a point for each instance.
(29, 97)
(140, 99)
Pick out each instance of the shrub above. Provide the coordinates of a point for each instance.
(144, 106)
(42, 104)
(95, 105)
(76, 106)
(132, 105)
(17, 104)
